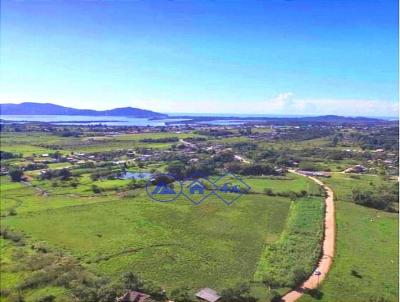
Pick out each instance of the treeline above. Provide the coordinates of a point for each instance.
(251, 169)
(173, 139)
(208, 167)
(386, 138)
(181, 171)
(304, 133)
(383, 198)
(9, 155)
(63, 174)
(214, 132)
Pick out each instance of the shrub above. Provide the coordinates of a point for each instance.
(240, 293)
(17, 238)
(16, 174)
(275, 296)
(181, 295)
(48, 298)
(269, 192)
(132, 282)
(96, 189)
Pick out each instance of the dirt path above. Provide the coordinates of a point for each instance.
(328, 247)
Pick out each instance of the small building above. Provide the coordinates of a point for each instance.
(315, 173)
(133, 296)
(208, 294)
(356, 169)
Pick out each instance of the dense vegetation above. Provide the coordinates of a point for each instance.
(288, 262)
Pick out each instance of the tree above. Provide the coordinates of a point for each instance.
(47, 298)
(275, 296)
(65, 174)
(299, 275)
(240, 293)
(132, 282)
(16, 174)
(181, 295)
(177, 169)
(96, 189)
(308, 166)
(268, 191)
(108, 292)
(155, 291)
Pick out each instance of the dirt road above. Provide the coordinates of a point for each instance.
(328, 248)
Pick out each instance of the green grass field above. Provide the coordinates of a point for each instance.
(39, 143)
(291, 182)
(343, 184)
(365, 266)
(161, 242)
(257, 238)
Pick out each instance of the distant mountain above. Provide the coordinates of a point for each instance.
(340, 119)
(324, 119)
(29, 108)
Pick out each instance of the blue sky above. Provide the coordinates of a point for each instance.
(264, 57)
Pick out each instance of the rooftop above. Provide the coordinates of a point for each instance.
(208, 294)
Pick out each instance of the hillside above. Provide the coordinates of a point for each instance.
(30, 108)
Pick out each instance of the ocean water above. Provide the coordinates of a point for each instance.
(87, 120)
(110, 120)
(236, 119)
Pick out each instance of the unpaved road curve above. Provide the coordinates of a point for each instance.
(328, 248)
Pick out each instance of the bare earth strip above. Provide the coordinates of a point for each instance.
(328, 248)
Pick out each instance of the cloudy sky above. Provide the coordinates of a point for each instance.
(302, 57)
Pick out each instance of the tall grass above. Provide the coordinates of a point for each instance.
(293, 257)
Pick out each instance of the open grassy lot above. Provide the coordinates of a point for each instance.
(291, 182)
(13, 273)
(111, 233)
(343, 184)
(162, 242)
(365, 266)
(39, 142)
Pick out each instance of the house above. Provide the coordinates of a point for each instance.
(208, 294)
(356, 169)
(315, 173)
(133, 296)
